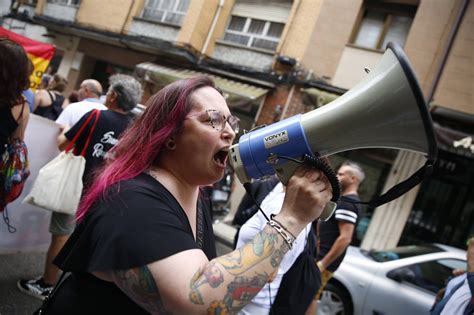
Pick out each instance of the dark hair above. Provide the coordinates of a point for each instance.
(60, 83)
(73, 97)
(141, 144)
(14, 73)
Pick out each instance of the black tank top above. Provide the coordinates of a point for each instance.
(8, 124)
(52, 111)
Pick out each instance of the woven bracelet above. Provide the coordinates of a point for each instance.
(286, 230)
(289, 239)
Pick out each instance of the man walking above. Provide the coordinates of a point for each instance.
(62, 225)
(335, 235)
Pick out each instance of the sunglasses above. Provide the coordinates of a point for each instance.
(218, 120)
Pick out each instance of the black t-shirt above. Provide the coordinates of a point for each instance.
(329, 230)
(105, 135)
(137, 223)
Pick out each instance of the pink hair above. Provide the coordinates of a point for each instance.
(140, 145)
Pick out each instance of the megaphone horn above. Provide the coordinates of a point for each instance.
(385, 110)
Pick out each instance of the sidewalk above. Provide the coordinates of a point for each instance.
(12, 268)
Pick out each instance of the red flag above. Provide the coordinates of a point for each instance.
(39, 53)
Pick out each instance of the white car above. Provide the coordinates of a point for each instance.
(403, 281)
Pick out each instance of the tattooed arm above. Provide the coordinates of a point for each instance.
(187, 283)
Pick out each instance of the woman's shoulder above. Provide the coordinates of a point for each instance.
(140, 190)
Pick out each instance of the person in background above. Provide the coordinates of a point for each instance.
(28, 94)
(123, 95)
(144, 245)
(89, 94)
(14, 111)
(247, 208)
(263, 302)
(44, 81)
(62, 225)
(49, 101)
(72, 98)
(458, 296)
(335, 234)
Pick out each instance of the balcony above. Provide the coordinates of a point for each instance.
(255, 58)
(62, 10)
(153, 29)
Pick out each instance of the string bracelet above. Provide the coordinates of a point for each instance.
(287, 236)
(287, 231)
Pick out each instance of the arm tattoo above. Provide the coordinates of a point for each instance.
(242, 288)
(262, 247)
(240, 292)
(139, 285)
(277, 257)
(210, 274)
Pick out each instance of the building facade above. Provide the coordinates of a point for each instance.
(277, 58)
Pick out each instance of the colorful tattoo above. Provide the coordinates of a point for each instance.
(240, 292)
(210, 274)
(246, 257)
(242, 289)
(277, 257)
(140, 286)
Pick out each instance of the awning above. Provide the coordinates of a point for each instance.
(164, 75)
(454, 141)
(454, 131)
(319, 97)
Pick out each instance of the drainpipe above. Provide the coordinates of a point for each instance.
(447, 49)
(296, 5)
(211, 30)
(132, 4)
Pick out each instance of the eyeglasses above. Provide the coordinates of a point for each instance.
(218, 120)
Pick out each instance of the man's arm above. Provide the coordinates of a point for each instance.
(63, 142)
(346, 229)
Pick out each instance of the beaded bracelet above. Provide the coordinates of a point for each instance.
(289, 239)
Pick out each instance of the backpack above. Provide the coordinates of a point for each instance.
(14, 170)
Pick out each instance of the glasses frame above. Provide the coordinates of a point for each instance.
(218, 122)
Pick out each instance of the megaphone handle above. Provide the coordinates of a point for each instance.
(285, 171)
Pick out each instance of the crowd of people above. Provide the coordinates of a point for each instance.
(142, 240)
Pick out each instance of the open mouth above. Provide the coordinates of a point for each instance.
(221, 156)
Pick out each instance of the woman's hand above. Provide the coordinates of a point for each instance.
(307, 193)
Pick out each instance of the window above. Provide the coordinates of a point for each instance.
(255, 33)
(432, 275)
(382, 23)
(66, 2)
(168, 11)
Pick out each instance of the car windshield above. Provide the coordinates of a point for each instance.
(403, 252)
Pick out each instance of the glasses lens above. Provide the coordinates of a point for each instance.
(234, 123)
(218, 121)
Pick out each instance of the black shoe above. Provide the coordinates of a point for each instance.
(36, 287)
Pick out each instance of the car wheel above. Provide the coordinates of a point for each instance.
(334, 301)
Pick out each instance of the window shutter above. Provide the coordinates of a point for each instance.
(268, 11)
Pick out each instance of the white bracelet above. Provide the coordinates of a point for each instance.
(281, 230)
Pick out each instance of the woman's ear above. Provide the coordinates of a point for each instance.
(170, 144)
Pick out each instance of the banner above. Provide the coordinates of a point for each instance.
(39, 53)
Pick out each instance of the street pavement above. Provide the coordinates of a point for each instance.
(12, 268)
(29, 265)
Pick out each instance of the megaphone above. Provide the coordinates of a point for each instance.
(385, 110)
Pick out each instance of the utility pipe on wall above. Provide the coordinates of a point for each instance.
(211, 30)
